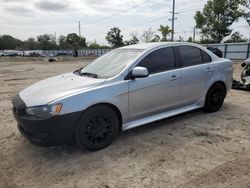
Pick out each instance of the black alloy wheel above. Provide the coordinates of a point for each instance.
(215, 97)
(97, 128)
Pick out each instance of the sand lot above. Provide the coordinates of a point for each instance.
(195, 149)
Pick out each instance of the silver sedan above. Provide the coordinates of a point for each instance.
(126, 88)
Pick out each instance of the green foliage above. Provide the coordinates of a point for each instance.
(217, 16)
(71, 41)
(165, 32)
(190, 39)
(43, 42)
(134, 39)
(236, 37)
(7, 42)
(94, 45)
(156, 38)
(75, 41)
(147, 35)
(114, 37)
(46, 42)
(30, 44)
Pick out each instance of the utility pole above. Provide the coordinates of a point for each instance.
(173, 19)
(55, 38)
(79, 24)
(194, 35)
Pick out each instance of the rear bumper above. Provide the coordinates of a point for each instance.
(56, 130)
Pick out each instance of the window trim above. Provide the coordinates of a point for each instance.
(175, 62)
(180, 56)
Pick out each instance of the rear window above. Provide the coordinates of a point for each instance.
(190, 56)
(205, 57)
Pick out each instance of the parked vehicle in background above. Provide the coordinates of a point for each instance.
(244, 84)
(64, 54)
(49, 55)
(123, 89)
(11, 53)
(216, 51)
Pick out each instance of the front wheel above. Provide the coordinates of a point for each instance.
(97, 128)
(215, 97)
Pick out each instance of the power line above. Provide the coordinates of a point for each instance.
(69, 30)
(126, 10)
(139, 24)
(125, 16)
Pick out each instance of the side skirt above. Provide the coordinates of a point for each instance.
(156, 117)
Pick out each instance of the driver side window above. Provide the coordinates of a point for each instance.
(159, 60)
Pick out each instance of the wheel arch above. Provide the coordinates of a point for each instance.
(218, 81)
(113, 107)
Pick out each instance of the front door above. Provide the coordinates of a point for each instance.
(160, 91)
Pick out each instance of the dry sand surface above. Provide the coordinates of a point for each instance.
(195, 149)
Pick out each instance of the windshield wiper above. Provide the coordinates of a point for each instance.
(78, 71)
(89, 74)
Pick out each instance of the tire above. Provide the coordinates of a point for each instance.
(215, 97)
(97, 128)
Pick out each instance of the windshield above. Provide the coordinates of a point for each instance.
(111, 63)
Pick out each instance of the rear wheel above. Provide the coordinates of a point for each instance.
(215, 97)
(97, 128)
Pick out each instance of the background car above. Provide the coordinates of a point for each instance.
(216, 51)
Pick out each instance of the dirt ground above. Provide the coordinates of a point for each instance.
(195, 149)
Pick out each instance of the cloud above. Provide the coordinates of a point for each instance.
(10, 1)
(52, 6)
(18, 9)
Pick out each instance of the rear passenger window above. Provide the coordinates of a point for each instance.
(205, 57)
(190, 56)
(159, 60)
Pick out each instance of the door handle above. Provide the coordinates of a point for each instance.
(174, 77)
(209, 69)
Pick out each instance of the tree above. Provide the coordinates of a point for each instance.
(95, 45)
(62, 42)
(190, 39)
(217, 16)
(156, 38)
(237, 37)
(165, 31)
(147, 35)
(134, 39)
(114, 37)
(75, 41)
(45, 42)
(8, 42)
(30, 44)
(180, 39)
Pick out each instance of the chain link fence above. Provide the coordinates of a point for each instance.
(234, 51)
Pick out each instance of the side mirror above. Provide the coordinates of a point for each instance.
(139, 72)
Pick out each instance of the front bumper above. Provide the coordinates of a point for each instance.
(45, 132)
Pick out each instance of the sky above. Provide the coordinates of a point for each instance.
(30, 18)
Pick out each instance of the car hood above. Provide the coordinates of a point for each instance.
(56, 87)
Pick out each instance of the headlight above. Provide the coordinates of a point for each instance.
(44, 111)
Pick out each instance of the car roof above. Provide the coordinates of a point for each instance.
(150, 45)
(146, 47)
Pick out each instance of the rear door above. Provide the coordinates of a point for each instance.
(158, 92)
(194, 74)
